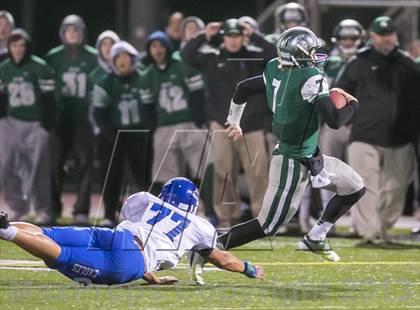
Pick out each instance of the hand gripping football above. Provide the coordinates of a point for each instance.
(338, 99)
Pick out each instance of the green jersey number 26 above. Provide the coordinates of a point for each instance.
(21, 94)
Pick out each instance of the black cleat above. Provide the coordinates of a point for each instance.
(4, 222)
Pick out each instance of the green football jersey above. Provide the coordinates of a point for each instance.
(170, 93)
(71, 78)
(121, 96)
(291, 93)
(24, 85)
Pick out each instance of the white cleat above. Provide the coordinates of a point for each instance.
(322, 248)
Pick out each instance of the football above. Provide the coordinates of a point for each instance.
(338, 99)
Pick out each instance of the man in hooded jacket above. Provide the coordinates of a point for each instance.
(26, 91)
(72, 62)
(124, 115)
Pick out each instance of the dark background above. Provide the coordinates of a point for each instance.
(42, 17)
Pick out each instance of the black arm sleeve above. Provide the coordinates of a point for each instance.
(332, 116)
(248, 88)
(191, 54)
(48, 111)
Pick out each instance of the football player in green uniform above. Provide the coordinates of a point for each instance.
(72, 62)
(178, 143)
(26, 87)
(124, 115)
(298, 94)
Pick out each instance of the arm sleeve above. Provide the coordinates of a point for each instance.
(332, 116)
(191, 52)
(248, 88)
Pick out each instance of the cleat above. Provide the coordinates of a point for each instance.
(4, 222)
(322, 248)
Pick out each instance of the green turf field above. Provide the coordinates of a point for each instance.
(386, 276)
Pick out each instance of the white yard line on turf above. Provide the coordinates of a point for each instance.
(37, 263)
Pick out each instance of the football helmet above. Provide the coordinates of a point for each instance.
(291, 12)
(297, 46)
(181, 193)
(348, 28)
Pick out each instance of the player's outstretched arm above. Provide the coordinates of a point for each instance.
(152, 278)
(227, 261)
(244, 90)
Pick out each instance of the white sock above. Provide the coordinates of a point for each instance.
(9, 233)
(319, 231)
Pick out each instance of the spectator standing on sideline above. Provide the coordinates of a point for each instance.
(178, 144)
(385, 80)
(27, 89)
(72, 62)
(118, 106)
(224, 67)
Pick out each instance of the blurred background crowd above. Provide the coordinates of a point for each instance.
(106, 98)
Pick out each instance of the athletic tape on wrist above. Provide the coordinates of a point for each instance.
(250, 270)
(235, 113)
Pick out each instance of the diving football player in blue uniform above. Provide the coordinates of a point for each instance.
(156, 233)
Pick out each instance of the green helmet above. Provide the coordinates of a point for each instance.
(297, 47)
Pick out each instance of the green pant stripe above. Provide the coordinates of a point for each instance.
(282, 183)
(292, 189)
